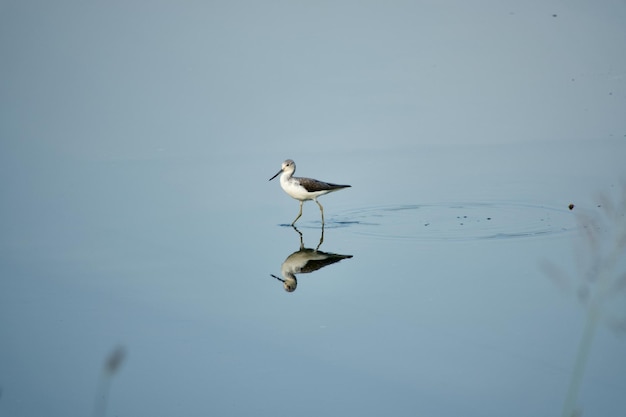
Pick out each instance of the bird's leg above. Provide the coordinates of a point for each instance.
(321, 238)
(321, 209)
(299, 214)
(301, 238)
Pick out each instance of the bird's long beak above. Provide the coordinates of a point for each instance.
(278, 173)
(280, 279)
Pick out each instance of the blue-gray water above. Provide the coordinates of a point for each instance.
(137, 144)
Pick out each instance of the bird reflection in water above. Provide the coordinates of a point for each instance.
(304, 261)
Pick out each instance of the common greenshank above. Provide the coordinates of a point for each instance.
(303, 189)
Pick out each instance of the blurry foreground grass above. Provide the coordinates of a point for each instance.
(111, 366)
(599, 282)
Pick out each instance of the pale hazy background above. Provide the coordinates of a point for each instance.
(135, 78)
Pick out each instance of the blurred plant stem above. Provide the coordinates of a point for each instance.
(111, 366)
(584, 347)
(605, 238)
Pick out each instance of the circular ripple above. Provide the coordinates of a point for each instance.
(460, 221)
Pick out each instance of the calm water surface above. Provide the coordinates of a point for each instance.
(441, 308)
(142, 247)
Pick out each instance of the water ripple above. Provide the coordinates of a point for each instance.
(459, 221)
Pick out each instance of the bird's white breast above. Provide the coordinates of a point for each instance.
(292, 187)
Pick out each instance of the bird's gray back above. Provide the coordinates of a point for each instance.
(312, 185)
